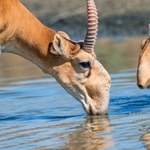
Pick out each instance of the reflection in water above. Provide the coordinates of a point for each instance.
(146, 139)
(94, 134)
(146, 135)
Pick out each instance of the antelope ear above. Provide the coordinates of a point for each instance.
(64, 34)
(59, 46)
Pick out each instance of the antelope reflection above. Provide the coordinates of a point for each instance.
(146, 139)
(93, 135)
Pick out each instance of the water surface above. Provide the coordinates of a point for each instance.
(36, 113)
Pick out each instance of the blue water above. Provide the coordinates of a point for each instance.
(38, 114)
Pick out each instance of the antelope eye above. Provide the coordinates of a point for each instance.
(85, 65)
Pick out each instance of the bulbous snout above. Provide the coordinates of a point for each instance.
(98, 89)
(99, 106)
(143, 71)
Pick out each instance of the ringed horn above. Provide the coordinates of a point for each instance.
(92, 28)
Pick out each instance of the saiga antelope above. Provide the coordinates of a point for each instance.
(72, 64)
(143, 71)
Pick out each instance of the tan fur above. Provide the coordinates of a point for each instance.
(23, 34)
(143, 71)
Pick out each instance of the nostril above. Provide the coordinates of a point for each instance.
(140, 86)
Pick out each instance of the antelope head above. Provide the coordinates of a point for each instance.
(143, 71)
(81, 74)
(72, 64)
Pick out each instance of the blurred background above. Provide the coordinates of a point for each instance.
(116, 17)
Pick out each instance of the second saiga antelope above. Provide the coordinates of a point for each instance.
(72, 64)
(143, 71)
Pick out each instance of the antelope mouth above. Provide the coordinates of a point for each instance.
(95, 107)
(93, 111)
